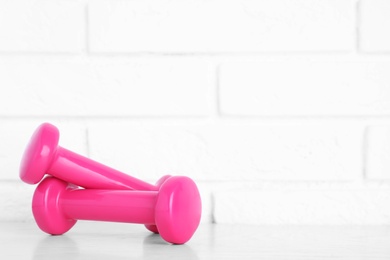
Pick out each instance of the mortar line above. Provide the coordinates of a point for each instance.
(87, 28)
(357, 27)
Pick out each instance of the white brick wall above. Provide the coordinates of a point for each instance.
(375, 25)
(42, 26)
(278, 109)
(378, 152)
(307, 88)
(231, 151)
(176, 26)
(76, 86)
(330, 207)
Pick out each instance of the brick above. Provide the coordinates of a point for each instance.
(298, 207)
(305, 88)
(67, 86)
(42, 26)
(177, 26)
(374, 25)
(229, 151)
(377, 153)
(15, 134)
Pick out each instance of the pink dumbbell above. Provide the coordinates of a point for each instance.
(44, 156)
(175, 209)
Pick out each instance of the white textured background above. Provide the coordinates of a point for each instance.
(278, 109)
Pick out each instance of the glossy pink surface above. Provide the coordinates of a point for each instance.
(38, 154)
(153, 228)
(44, 156)
(175, 209)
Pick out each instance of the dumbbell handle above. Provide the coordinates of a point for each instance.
(70, 166)
(109, 205)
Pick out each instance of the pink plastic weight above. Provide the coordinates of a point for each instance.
(175, 209)
(44, 156)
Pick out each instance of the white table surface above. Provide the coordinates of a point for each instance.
(99, 240)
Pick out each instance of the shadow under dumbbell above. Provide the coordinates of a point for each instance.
(56, 247)
(153, 247)
(63, 247)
